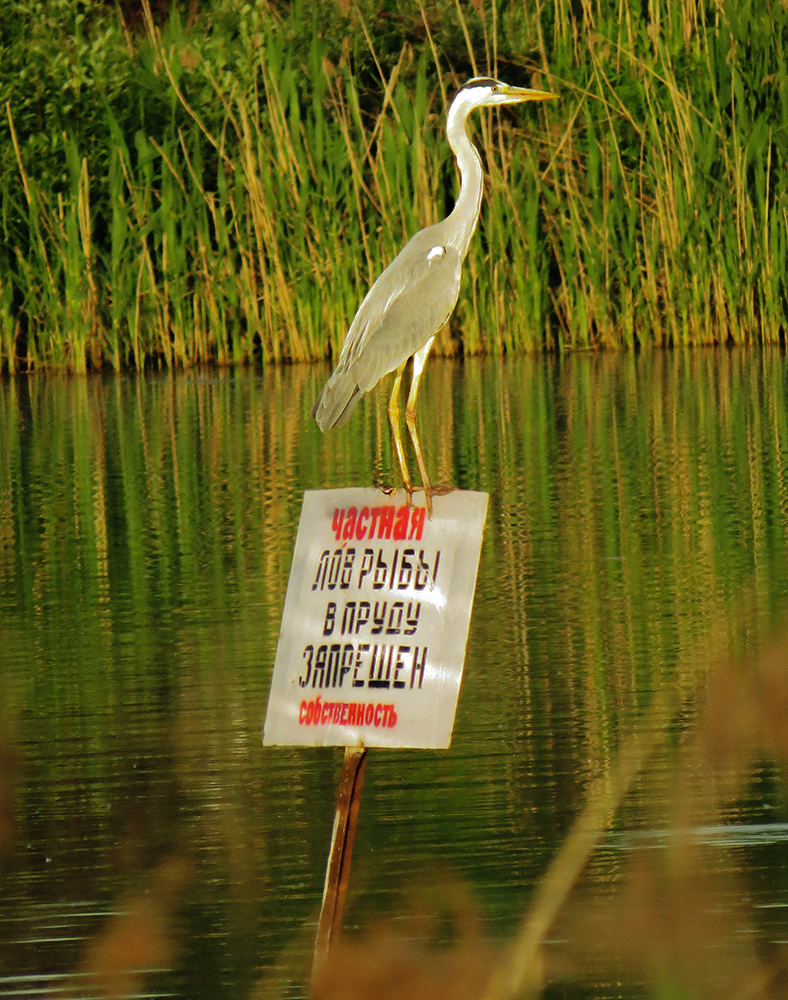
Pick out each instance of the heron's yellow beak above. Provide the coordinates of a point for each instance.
(517, 95)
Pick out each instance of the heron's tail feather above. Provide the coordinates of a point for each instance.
(337, 400)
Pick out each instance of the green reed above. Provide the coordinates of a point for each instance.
(236, 201)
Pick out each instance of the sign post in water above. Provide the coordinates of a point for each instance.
(372, 643)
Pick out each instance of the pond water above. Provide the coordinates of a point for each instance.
(632, 587)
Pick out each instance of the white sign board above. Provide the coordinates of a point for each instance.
(376, 620)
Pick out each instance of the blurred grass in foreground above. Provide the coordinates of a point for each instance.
(225, 188)
(672, 920)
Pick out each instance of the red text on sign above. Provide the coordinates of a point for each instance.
(344, 713)
(387, 521)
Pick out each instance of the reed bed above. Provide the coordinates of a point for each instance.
(232, 194)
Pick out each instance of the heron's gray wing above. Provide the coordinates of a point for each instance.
(407, 305)
(424, 263)
(411, 318)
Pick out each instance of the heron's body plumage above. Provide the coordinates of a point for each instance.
(418, 292)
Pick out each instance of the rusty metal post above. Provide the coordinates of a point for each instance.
(338, 867)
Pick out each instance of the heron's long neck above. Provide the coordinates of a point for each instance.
(465, 214)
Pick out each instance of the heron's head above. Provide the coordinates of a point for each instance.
(483, 91)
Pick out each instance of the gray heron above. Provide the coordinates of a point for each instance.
(415, 295)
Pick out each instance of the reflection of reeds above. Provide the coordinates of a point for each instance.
(8, 772)
(634, 500)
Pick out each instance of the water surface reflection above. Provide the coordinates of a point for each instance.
(636, 537)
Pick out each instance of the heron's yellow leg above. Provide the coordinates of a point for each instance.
(396, 431)
(410, 419)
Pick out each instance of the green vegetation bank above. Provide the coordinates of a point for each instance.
(220, 182)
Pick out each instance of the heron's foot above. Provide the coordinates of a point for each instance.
(442, 490)
(409, 488)
(429, 492)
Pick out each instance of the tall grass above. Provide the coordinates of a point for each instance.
(237, 198)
